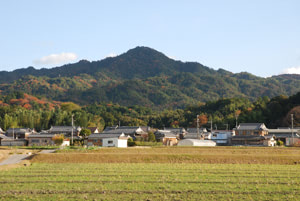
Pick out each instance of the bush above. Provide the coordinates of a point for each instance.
(58, 139)
(279, 143)
(130, 142)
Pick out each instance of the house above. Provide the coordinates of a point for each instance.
(222, 137)
(179, 132)
(196, 142)
(9, 141)
(133, 131)
(3, 137)
(192, 133)
(40, 140)
(290, 141)
(251, 129)
(93, 129)
(285, 134)
(19, 133)
(115, 142)
(269, 141)
(167, 137)
(65, 130)
(251, 134)
(107, 139)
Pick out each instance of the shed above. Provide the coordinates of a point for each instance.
(195, 142)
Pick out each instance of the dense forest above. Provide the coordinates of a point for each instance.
(19, 109)
(143, 76)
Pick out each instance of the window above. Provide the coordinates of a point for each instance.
(35, 141)
(110, 142)
(214, 135)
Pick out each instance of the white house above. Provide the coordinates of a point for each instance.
(107, 140)
(221, 137)
(114, 142)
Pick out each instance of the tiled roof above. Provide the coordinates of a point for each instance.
(252, 126)
(105, 135)
(63, 129)
(18, 130)
(41, 136)
(164, 133)
(176, 130)
(123, 129)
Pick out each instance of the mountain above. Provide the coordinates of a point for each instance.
(143, 76)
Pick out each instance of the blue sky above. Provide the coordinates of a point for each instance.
(258, 36)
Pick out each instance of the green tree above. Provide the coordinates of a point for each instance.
(85, 132)
(151, 137)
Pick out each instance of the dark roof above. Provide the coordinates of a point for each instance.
(19, 130)
(105, 135)
(41, 136)
(252, 126)
(92, 129)
(123, 129)
(63, 129)
(164, 133)
(176, 130)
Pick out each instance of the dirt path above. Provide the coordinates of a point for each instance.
(17, 158)
(14, 159)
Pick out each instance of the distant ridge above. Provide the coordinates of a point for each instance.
(143, 76)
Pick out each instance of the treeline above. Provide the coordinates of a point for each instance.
(223, 114)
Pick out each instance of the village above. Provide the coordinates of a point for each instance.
(245, 134)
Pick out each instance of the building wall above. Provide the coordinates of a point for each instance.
(169, 141)
(289, 141)
(94, 142)
(110, 142)
(13, 143)
(122, 143)
(40, 141)
(251, 132)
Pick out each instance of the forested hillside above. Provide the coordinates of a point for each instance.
(143, 76)
(22, 110)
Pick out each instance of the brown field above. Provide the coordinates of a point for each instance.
(204, 155)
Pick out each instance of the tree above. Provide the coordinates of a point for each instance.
(151, 137)
(85, 132)
(58, 139)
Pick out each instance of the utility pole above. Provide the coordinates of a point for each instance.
(211, 124)
(198, 127)
(13, 132)
(292, 118)
(226, 126)
(72, 129)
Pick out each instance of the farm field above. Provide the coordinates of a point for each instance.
(210, 155)
(160, 173)
(139, 181)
